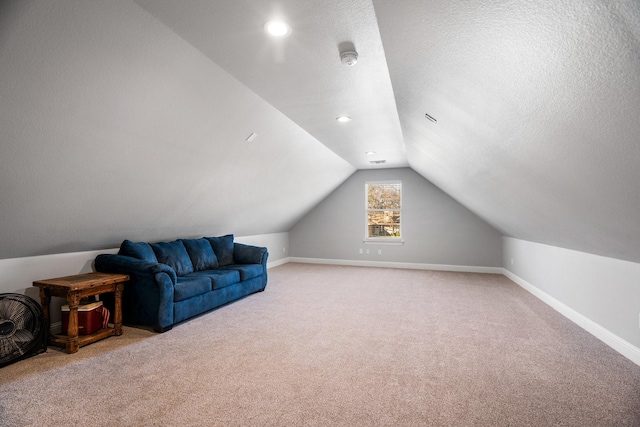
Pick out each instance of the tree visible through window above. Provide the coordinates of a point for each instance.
(384, 205)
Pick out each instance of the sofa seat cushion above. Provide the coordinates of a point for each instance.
(247, 271)
(175, 255)
(190, 286)
(219, 278)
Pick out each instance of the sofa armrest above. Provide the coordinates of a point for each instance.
(246, 254)
(148, 297)
(110, 263)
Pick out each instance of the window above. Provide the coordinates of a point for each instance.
(384, 207)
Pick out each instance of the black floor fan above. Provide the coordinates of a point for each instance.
(22, 328)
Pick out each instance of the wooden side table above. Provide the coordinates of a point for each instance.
(74, 288)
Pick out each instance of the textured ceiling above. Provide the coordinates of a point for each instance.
(537, 107)
(114, 127)
(537, 103)
(302, 75)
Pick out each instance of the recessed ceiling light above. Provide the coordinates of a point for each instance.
(343, 119)
(277, 28)
(370, 153)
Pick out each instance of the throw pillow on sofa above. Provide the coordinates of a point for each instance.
(175, 255)
(223, 247)
(201, 254)
(139, 250)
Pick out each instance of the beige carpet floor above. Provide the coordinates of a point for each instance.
(340, 346)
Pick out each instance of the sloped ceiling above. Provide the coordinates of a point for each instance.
(537, 103)
(125, 119)
(114, 127)
(538, 109)
(302, 75)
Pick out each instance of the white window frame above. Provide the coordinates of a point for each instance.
(394, 240)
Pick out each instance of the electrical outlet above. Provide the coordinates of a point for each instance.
(284, 250)
(379, 251)
(360, 250)
(511, 260)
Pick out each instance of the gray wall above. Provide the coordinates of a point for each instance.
(436, 229)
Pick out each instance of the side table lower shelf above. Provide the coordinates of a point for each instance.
(81, 340)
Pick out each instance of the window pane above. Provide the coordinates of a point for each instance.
(383, 196)
(383, 224)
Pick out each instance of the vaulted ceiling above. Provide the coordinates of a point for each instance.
(302, 75)
(537, 103)
(537, 108)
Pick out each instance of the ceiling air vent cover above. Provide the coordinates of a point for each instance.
(377, 162)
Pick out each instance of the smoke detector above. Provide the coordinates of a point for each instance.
(349, 57)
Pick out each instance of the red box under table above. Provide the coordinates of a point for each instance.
(89, 318)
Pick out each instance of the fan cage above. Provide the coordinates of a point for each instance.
(22, 328)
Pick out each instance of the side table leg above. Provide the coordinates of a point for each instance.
(117, 316)
(45, 300)
(73, 299)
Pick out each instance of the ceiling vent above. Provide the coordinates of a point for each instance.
(377, 162)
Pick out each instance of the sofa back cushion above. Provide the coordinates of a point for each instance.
(223, 247)
(175, 255)
(201, 254)
(139, 250)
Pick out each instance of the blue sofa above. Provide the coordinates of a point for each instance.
(174, 281)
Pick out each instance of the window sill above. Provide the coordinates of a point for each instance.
(383, 242)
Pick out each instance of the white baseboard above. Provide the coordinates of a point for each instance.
(271, 264)
(404, 265)
(623, 347)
